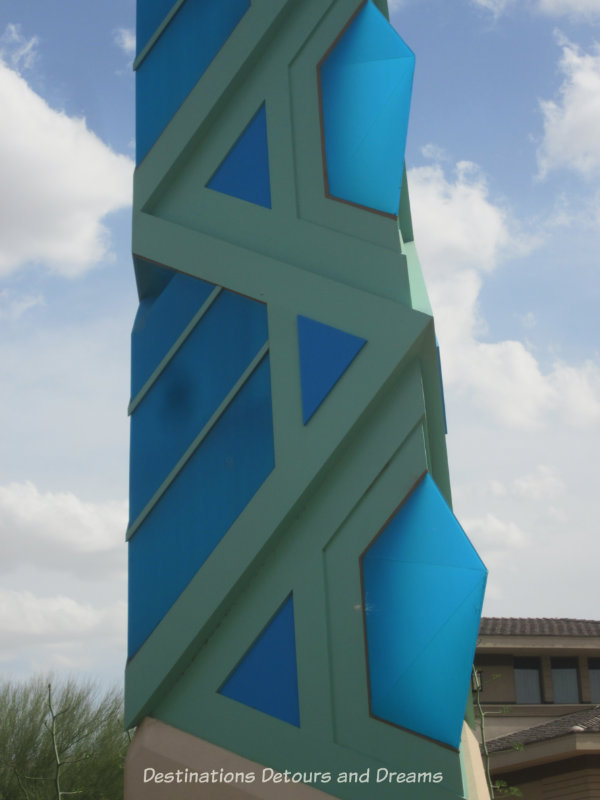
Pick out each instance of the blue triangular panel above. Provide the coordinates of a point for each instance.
(325, 354)
(244, 173)
(267, 676)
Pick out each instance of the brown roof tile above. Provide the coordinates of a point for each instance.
(586, 721)
(532, 626)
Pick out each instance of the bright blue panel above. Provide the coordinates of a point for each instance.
(267, 676)
(423, 584)
(190, 389)
(200, 506)
(150, 13)
(393, 588)
(245, 171)
(325, 354)
(366, 86)
(438, 713)
(434, 534)
(177, 62)
(159, 321)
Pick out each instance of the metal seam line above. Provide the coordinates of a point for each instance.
(135, 401)
(134, 527)
(157, 34)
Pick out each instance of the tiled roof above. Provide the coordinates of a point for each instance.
(528, 626)
(587, 721)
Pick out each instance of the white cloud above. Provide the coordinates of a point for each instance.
(572, 8)
(60, 181)
(572, 121)
(510, 418)
(462, 235)
(434, 152)
(59, 531)
(49, 618)
(497, 7)
(542, 484)
(495, 535)
(13, 304)
(57, 631)
(125, 39)
(575, 9)
(16, 50)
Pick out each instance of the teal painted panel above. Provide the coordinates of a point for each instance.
(325, 354)
(267, 677)
(244, 173)
(190, 389)
(178, 60)
(200, 506)
(366, 87)
(423, 593)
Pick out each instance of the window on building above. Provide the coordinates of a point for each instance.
(564, 680)
(594, 668)
(527, 680)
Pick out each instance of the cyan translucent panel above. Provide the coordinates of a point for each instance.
(423, 592)
(190, 389)
(160, 321)
(150, 13)
(267, 677)
(244, 173)
(325, 354)
(178, 60)
(366, 86)
(200, 506)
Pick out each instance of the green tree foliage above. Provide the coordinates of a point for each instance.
(48, 727)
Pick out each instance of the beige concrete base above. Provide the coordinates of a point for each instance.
(159, 751)
(474, 771)
(164, 763)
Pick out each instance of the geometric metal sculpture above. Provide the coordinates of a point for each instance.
(286, 401)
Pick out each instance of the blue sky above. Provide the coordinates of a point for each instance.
(504, 159)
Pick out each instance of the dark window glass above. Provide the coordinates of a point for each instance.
(564, 680)
(594, 667)
(527, 680)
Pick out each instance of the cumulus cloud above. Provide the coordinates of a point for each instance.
(462, 235)
(572, 120)
(57, 631)
(60, 179)
(57, 530)
(511, 418)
